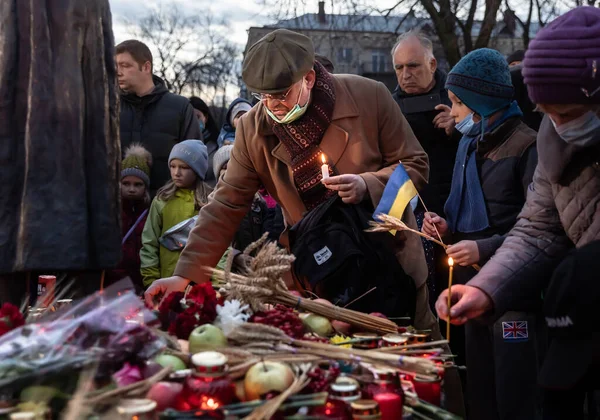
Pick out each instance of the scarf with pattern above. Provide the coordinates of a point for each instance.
(302, 138)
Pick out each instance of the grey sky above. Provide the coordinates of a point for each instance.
(240, 14)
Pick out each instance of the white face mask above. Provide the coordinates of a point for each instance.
(293, 114)
(581, 131)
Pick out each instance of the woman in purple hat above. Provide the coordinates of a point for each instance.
(562, 211)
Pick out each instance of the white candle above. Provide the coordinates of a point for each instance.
(325, 167)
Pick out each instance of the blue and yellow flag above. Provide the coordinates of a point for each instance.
(398, 193)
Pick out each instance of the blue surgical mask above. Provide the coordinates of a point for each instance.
(581, 131)
(201, 124)
(465, 125)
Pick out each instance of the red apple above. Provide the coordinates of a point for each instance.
(342, 327)
(164, 393)
(265, 377)
(323, 301)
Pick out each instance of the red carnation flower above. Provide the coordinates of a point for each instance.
(10, 318)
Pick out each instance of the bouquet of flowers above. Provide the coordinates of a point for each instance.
(180, 312)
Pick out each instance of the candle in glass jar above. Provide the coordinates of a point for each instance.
(324, 167)
(429, 390)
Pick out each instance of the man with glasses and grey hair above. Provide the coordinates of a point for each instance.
(423, 99)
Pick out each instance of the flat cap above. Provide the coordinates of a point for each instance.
(277, 61)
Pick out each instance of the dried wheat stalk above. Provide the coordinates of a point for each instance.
(263, 283)
(138, 387)
(249, 332)
(387, 223)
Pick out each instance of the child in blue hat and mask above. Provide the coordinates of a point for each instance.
(494, 166)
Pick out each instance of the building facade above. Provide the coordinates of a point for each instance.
(361, 44)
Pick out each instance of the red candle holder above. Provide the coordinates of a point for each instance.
(386, 390)
(427, 389)
(208, 388)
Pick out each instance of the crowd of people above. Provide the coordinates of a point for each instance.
(505, 154)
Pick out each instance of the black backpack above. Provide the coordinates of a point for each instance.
(339, 261)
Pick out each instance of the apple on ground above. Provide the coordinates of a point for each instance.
(206, 337)
(265, 377)
(168, 360)
(165, 394)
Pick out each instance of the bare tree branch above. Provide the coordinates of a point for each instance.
(192, 51)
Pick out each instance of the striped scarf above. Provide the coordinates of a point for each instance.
(302, 138)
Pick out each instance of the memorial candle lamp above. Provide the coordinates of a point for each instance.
(324, 167)
(209, 387)
(394, 340)
(428, 389)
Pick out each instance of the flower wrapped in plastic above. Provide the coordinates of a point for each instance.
(104, 330)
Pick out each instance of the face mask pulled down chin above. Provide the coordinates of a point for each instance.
(581, 131)
(465, 125)
(293, 114)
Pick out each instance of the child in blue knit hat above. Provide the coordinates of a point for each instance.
(179, 200)
(494, 166)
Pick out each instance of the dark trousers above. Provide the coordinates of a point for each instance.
(564, 404)
(502, 368)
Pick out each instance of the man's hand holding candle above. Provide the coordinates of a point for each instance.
(351, 188)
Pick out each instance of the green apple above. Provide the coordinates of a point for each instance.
(206, 337)
(168, 360)
(317, 324)
(265, 377)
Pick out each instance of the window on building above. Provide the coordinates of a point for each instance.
(345, 55)
(379, 59)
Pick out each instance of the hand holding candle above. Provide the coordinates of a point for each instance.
(325, 167)
(451, 264)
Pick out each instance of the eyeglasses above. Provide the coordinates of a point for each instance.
(277, 96)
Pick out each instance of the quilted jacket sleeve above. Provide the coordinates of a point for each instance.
(526, 259)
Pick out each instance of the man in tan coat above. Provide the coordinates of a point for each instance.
(305, 111)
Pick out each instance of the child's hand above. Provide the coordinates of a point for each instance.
(464, 253)
(428, 225)
(164, 287)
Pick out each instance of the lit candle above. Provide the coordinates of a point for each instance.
(429, 390)
(325, 167)
(451, 264)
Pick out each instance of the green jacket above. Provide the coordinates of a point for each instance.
(157, 261)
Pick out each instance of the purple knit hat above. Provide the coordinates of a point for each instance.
(562, 63)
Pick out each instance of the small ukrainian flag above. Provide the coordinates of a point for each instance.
(398, 193)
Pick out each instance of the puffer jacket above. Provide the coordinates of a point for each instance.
(562, 211)
(157, 261)
(228, 131)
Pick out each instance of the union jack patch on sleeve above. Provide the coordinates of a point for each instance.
(515, 330)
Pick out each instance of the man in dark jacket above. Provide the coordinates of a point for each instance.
(151, 115)
(423, 99)
(424, 102)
